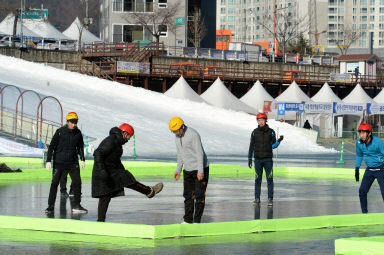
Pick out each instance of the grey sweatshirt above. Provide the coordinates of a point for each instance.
(190, 152)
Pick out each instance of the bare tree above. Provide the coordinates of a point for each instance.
(348, 37)
(287, 27)
(155, 22)
(196, 28)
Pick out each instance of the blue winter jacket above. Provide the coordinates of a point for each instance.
(373, 153)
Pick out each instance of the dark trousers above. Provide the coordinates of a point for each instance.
(194, 195)
(366, 183)
(74, 171)
(63, 182)
(267, 164)
(104, 200)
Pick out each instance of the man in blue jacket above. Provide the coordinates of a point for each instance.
(263, 141)
(371, 149)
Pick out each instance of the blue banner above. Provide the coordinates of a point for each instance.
(341, 108)
(294, 107)
(281, 109)
(375, 108)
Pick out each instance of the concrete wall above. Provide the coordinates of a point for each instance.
(42, 56)
(241, 65)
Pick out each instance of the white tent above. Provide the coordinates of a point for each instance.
(380, 97)
(324, 123)
(358, 96)
(293, 94)
(181, 89)
(44, 29)
(217, 94)
(256, 96)
(326, 95)
(74, 29)
(6, 27)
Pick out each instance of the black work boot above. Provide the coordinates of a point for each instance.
(50, 209)
(79, 209)
(256, 202)
(155, 189)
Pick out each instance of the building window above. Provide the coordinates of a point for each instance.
(117, 5)
(163, 30)
(163, 3)
(363, 26)
(231, 18)
(222, 10)
(372, 2)
(222, 19)
(371, 26)
(231, 10)
(363, 18)
(363, 10)
(372, 18)
(222, 2)
(231, 2)
(117, 35)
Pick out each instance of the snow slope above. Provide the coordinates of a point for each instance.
(102, 104)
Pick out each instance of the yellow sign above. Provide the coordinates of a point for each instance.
(318, 48)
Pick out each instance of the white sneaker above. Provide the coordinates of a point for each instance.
(185, 222)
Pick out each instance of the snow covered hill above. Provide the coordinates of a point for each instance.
(102, 104)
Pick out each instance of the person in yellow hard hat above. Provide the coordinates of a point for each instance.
(191, 155)
(66, 144)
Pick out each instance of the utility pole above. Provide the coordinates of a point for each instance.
(21, 23)
(274, 30)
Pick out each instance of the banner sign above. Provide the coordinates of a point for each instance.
(281, 108)
(34, 14)
(294, 107)
(270, 106)
(132, 67)
(216, 53)
(340, 77)
(375, 108)
(318, 108)
(341, 108)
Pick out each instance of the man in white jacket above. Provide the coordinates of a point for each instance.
(191, 155)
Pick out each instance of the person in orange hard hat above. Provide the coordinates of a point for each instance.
(263, 141)
(191, 155)
(371, 149)
(66, 145)
(109, 177)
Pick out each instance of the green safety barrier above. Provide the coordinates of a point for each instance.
(74, 240)
(188, 230)
(373, 245)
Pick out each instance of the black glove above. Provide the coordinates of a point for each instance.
(250, 163)
(357, 174)
(280, 138)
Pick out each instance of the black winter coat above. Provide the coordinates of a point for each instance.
(262, 139)
(66, 145)
(109, 176)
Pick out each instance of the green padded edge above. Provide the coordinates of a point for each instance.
(373, 245)
(188, 230)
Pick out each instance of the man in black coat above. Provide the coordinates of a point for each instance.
(263, 141)
(67, 143)
(109, 177)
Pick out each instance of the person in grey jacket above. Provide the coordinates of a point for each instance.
(191, 155)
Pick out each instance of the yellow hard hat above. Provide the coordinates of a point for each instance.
(72, 116)
(175, 123)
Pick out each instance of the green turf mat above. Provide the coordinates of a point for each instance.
(360, 246)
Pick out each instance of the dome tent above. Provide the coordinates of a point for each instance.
(181, 89)
(218, 95)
